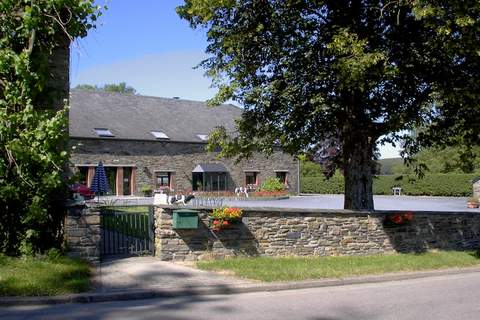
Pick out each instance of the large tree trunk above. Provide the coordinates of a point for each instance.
(358, 168)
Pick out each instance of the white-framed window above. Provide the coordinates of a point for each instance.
(159, 135)
(104, 132)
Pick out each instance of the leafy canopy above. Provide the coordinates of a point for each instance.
(122, 87)
(332, 77)
(32, 130)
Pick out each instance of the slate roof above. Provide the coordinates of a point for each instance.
(134, 117)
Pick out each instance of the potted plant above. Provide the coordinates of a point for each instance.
(398, 219)
(472, 203)
(146, 190)
(223, 218)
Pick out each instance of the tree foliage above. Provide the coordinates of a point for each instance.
(332, 77)
(121, 87)
(32, 132)
(444, 160)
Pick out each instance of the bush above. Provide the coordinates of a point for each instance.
(272, 184)
(146, 190)
(334, 185)
(447, 185)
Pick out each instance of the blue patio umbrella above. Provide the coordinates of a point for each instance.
(100, 182)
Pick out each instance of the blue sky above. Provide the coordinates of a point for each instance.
(145, 44)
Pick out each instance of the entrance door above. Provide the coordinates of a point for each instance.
(197, 181)
(127, 181)
(111, 173)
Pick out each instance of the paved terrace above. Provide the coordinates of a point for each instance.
(334, 202)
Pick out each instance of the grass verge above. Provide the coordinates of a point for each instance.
(271, 269)
(41, 276)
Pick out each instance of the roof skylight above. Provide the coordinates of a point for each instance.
(159, 135)
(203, 137)
(104, 132)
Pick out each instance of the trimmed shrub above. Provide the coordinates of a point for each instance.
(334, 185)
(447, 185)
(272, 184)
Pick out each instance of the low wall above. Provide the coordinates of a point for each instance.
(295, 232)
(82, 232)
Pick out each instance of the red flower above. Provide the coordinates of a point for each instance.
(397, 219)
(216, 222)
(225, 223)
(408, 216)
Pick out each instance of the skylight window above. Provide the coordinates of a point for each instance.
(203, 137)
(104, 132)
(159, 135)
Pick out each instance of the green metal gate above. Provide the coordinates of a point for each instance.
(127, 231)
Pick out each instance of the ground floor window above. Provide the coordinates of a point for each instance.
(282, 176)
(82, 174)
(162, 179)
(209, 181)
(251, 178)
(127, 181)
(111, 173)
(121, 180)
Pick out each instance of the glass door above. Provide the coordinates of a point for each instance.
(127, 181)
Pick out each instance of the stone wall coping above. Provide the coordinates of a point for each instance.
(321, 211)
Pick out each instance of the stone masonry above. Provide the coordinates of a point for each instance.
(179, 158)
(82, 232)
(283, 232)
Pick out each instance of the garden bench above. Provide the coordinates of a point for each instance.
(397, 191)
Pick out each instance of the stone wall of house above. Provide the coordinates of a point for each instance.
(82, 232)
(179, 159)
(295, 232)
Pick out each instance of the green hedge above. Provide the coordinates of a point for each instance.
(430, 185)
(334, 185)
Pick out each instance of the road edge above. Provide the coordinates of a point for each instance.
(91, 297)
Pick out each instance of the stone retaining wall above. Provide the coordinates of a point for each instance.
(82, 232)
(295, 232)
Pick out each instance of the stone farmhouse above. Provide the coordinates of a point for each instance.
(160, 142)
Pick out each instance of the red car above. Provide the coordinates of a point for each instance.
(83, 190)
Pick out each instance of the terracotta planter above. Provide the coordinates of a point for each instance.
(219, 224)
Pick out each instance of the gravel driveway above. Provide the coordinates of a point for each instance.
(336, 202)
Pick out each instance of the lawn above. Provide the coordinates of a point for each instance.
(129, 209)
(42, 276)
(297, 268)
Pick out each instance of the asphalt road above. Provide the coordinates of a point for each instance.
(443, 297)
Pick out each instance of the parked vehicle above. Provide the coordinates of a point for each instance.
(83, 190)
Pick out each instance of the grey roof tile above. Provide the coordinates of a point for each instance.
(134, 117)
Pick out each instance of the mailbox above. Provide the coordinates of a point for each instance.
(185, 219)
